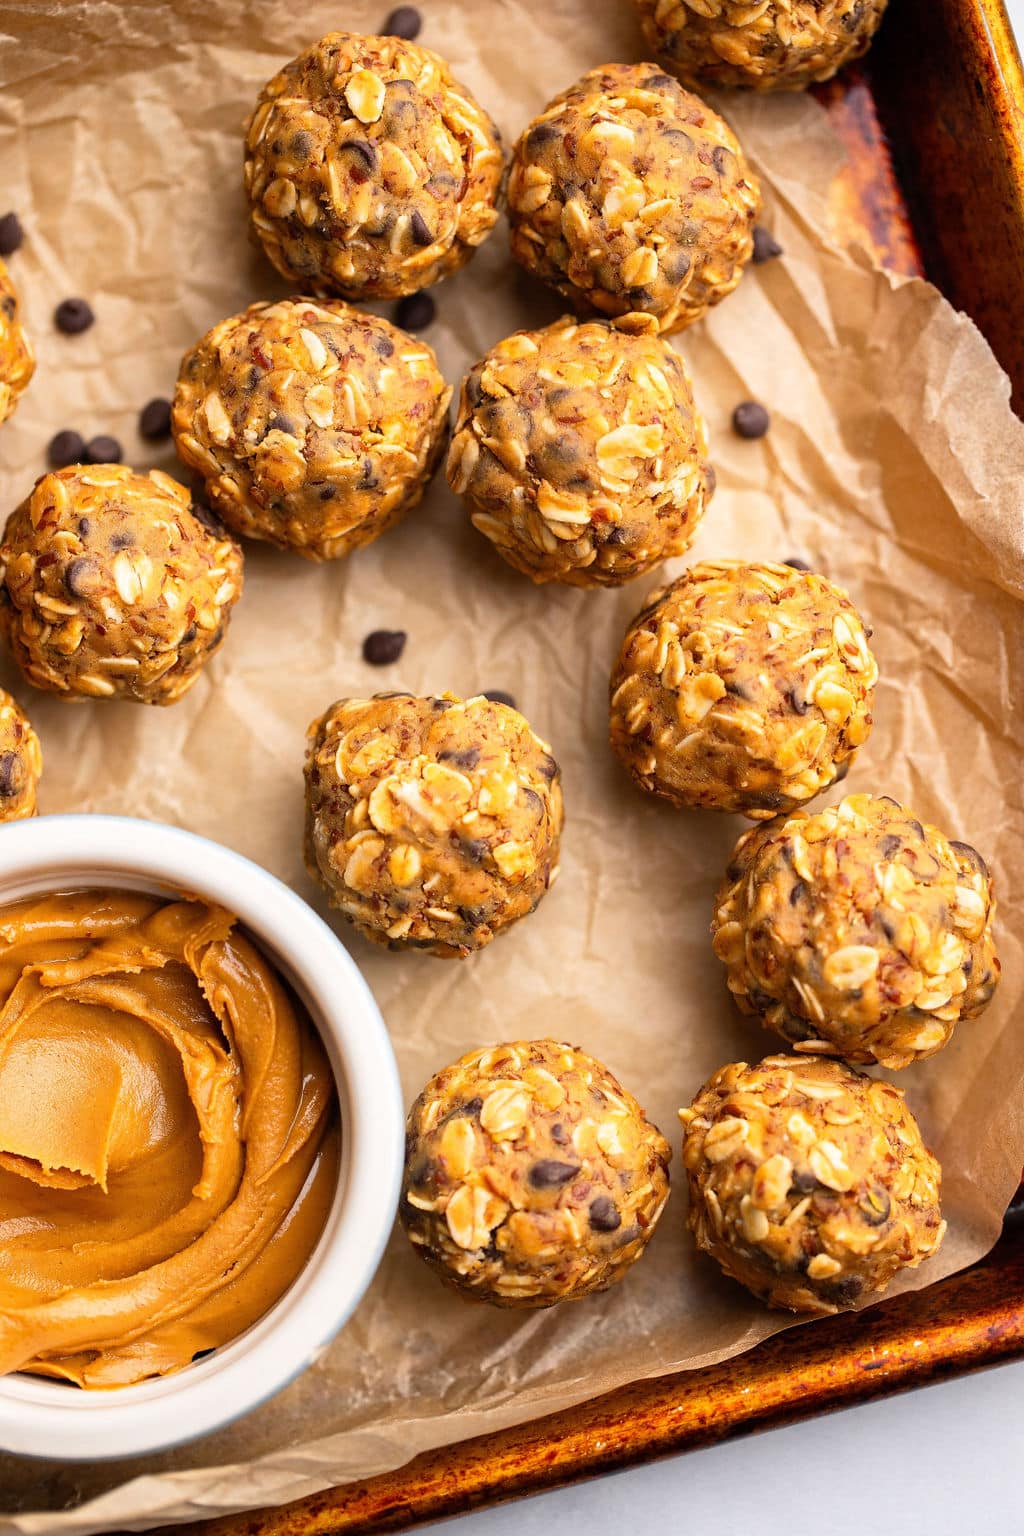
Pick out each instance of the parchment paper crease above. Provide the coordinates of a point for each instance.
(893, 463)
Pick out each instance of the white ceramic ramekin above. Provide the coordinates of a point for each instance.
(45, 1418)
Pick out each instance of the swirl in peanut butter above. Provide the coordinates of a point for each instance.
(168, 1135)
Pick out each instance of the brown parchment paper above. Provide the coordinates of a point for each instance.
(893, 463)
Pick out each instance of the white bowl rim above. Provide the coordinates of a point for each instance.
(39, 1416)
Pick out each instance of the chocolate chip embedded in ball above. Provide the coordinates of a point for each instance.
(155, 420)
(102, 450)
(405, 21)
(384, 646)
(73, 316)
(750, 419)
(415, 312)
(11, 234)
(766, 247)
(65, 448)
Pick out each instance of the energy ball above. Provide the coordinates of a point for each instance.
(21, 762)
(742, 688)
(531, 1176)
(17, 360)
(581, 454)
(631, 197)
(809, 1182)
(775, 45)
(858, 931)
(370, 172)
(431, 823)
(112, 587)
(313, 426)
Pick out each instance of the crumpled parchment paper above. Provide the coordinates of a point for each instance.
(893, 464)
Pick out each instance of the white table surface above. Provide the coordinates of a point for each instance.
(941, 1461)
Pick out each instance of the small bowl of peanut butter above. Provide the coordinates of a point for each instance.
(200, 1136)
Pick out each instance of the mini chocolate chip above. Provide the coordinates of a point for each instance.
(766, 247)
(73, 316)
(420, 229)
(464, 757)
(11, 234)
(604, 1215)
(155, 420)
(796, 564)
(415, 312)
(66, 448)
(384, 646)
(405, 22)
(549, 1174)
(102, 450)
(10, 775)
(80, 576)
(750, 419)
(499, 696)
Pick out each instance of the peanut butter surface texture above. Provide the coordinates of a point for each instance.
(168, 1136)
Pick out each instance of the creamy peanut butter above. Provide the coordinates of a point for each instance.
(168, 1135)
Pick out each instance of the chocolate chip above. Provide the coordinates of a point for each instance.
(80, 576)
(750, 419)
(155, 420)
(604, 1215)
(499, 696)
(11, 234)
(766, 247)
(796, 564)
(384, 646)
(415, 312)
(420, 229)
(405, 21)
(66, 448)
(102, 450)
(73, 316)
(549, 1174)
(10, 775)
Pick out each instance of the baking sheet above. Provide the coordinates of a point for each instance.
(893, 464)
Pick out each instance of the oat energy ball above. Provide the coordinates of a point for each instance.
(370, 172)
(17, 361)
(531, 1176)
(858, 931)
(112, 587)
(21, 762)
(772, 45)
(581, 454)
(628, 195)
(742, 688)
(431, 823)
(809, 1182)
(313, 425)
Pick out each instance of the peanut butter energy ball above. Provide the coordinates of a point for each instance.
(370, 172)
(631, 196)
(531, 1176)
(314, 426)
(112, 587)
(773, 45)
(431, 823)
(21, 762)
(742, 688)
(857, 931)
(809, 1182)
(581, 454)
(17, 361)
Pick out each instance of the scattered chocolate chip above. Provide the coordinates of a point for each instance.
(750, 419)
(155, 420)
(796, 564)
(102, 450)
(80, 576)
(420, 229)
(405, 22)
(73, 316)
(415, 312)
(10, 775)
(766, 247)
(66, 448)
(11, 234)
(604, 1215)
(384, 646)
(549, 1174)
(499, 696)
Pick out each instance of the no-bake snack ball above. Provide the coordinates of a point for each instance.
(112, 587)
(17, 361)
(858, 931)
(370, 172)
(742, 688)
(809, 1182)
(21, 762)
(314, 426)
(631, 196)
(531, 1175)
(432, 823)
(580, 453)
(771, 45)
